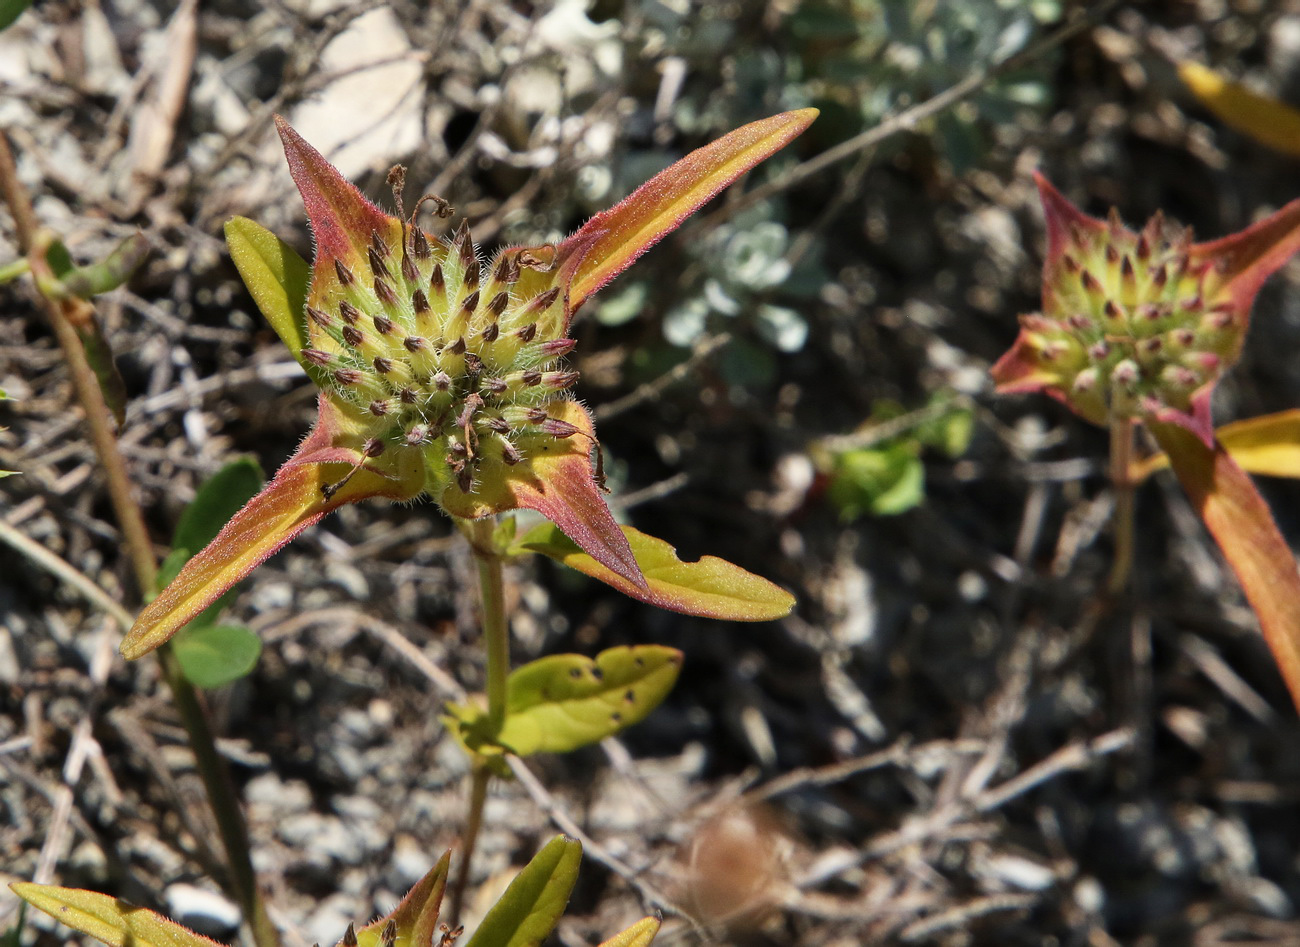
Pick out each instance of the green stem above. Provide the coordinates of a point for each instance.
(130, 518)
(1121, 462)
(496, 634)
(11, 271)
(473, 822)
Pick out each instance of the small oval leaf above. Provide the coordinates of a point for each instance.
(276, 277)
(565, 701)
(116, 922)
(532, 905)
(711, 587)
(214, 655)
(639, 934)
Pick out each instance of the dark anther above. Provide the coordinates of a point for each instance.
(413, 343)
(494, 385)
(1112, 255)
(510, 454)
(457, 347)
(507, 270)
(385, 293)
(383, 325)
(557, 347)
(542, 301)
(1126, 269)
(408, 396)
(408, 269)
(1159, 276)
(498, 304)
(347, 376)
(350, 936)
(1143, 250)
(441, 381)
(1089, 282)
(383, 365)
(437, 282)
(491, 332)
(377, 244)
(352, 336)
(317, 357)
(343, 273)
(322, 319)
(470, 303)
(379, 408)
(500, 425)
(561, 380)
(531, 377)
(349, 312)
(465, 478)
(419, 243)
(376, 262)
(558, 428)
(419, 301)
(537, 415)
(528, 332)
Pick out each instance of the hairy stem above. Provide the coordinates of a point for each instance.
(1121, 462)
(130, 518)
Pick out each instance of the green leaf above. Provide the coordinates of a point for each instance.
(711, 587)
(219, 498)
(276, 277)
(532, 905)
(639, 934)
(415, 919)
(950, 432)
(565, 701)
(884, 481)
(108, 274)
(116, 922)
(10, 10)
(214, 655)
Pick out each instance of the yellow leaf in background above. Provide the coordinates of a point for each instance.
(1268, 445)
(1266, 120)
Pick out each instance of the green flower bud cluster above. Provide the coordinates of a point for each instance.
(1127, 329)
(438, 354)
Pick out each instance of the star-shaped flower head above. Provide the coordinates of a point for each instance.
(1138, 326)
(1141, 324)
(441, 375)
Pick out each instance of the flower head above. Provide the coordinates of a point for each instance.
(441, 374)
(1141, 324)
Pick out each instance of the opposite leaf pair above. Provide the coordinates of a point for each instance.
(442, 376)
